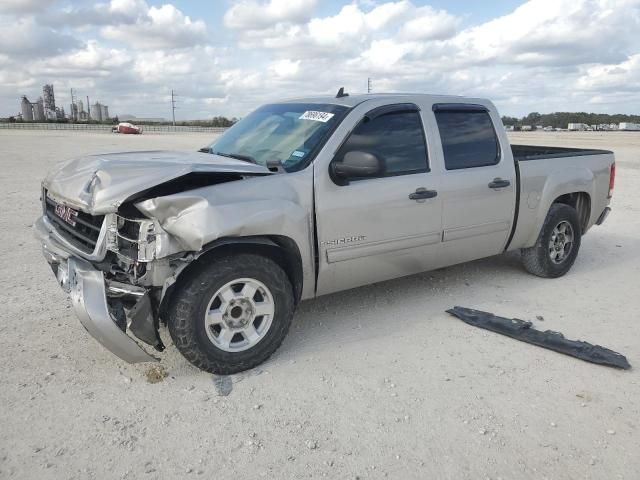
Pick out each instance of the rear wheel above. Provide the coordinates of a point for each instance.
(231, 314)
(558, 243)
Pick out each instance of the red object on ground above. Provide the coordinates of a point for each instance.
(125, 127)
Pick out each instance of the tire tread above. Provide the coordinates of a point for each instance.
(183, 312)
(536, 259)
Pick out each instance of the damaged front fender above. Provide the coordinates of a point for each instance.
(278, 205)
(196, 221)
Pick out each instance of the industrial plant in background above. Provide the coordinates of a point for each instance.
(44, 109)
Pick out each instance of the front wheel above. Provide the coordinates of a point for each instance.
(558, 243)
(231, 314)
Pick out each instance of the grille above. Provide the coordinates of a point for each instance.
(84, 234)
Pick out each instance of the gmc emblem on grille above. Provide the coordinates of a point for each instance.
(67, 214)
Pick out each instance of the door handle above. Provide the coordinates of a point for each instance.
(422, 194)
(499, 183)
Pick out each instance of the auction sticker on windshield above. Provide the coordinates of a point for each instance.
(316, 116)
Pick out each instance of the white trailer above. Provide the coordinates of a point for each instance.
(577, 127)
(628, 126)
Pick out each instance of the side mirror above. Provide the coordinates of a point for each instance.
(356, 164)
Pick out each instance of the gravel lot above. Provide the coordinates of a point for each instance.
(371, 383)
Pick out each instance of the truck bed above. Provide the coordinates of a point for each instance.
(558, 171)
(537, 152)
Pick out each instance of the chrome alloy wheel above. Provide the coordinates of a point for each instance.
(561, 242)
(239, 315)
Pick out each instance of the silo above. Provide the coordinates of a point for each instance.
(96, 112)
(38, 110)
(49, 98)
(80, 106)
(105, 112)
(27, 110)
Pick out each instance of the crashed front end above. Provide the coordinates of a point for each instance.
(119, 229)
(116, 269)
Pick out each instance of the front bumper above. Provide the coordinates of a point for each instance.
(87, 289)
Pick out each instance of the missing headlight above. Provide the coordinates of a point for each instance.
(132, 238)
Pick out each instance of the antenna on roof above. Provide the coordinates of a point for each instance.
(341, 93)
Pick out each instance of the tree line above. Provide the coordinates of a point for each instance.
(562, 119)
(213, 122)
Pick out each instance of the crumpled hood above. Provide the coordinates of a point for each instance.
(98, 184)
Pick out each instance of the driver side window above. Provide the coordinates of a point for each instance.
(396, 138)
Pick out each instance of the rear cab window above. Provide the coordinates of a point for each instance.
(468, 136)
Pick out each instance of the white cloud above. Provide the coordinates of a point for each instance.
(393, 37)
(116, 12)
(239, 80)
(384, 55)
(554, 32)
(23, 37)
(153, 65)
(545, 55)
(92, 58)
(161, 27)
(430, 24)
(621, 78)
(347, 25)
(24, 6)
(351, 31)
(132, 8)
(254, 15)
(387, 13)
(132, 22)
(285, 68)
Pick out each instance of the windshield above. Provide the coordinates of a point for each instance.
(286, 132)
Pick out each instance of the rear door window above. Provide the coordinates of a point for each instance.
(468, 139)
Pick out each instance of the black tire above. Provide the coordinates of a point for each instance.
(196, 287)
(537, 259)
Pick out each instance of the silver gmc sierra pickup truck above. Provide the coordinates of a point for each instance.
(300, 199)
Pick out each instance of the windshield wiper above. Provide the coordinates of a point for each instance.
(237, 156)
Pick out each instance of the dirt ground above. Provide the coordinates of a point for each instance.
(376, 382)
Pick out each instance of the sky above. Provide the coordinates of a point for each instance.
(226, 57)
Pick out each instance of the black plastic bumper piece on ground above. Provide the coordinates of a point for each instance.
(523, 331)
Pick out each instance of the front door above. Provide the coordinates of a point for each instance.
(383, 226)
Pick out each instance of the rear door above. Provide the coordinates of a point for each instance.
(478, 184)
(373, 229)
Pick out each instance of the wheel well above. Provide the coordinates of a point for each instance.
(282, 250)
(581, 201)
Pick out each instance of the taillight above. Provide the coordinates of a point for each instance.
(612, 179)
